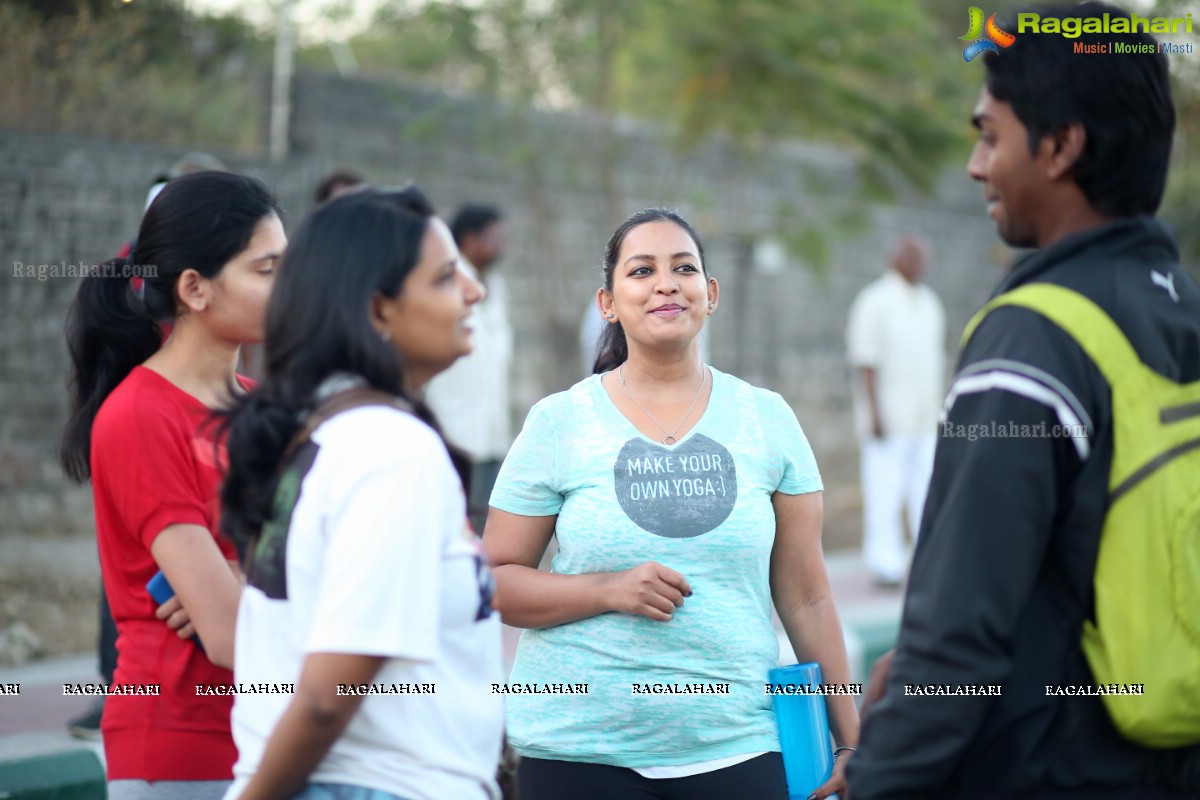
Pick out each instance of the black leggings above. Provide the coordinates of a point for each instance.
(759, 778)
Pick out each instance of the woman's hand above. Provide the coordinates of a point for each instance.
(875, 687)
(836, 782)
(205, 585)
(804, 599)
(648, 590)
(175, 615)
(530, 598)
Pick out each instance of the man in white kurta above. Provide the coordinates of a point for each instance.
(471, 398)
(895, 341)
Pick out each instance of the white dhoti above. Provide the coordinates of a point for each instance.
(895, 478)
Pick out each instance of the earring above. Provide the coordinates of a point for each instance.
(710, 306)
(610, 315)
(384, 336)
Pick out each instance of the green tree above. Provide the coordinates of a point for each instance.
(140, 70)
(1181, 206)
(875, 76)
(881, 79)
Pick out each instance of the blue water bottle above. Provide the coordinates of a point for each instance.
(803, 728)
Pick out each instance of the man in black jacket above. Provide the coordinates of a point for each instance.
(1072, 157)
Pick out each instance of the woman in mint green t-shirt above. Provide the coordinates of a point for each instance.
(683, 500)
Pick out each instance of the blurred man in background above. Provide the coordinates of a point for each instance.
(895, 338)
(336, 184)
(471, 399)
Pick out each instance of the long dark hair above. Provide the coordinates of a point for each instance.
(345, 252)
(612, 349)
(199, 221)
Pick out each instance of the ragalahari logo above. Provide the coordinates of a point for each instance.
(992, 39)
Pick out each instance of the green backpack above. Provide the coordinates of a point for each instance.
(1147, 583)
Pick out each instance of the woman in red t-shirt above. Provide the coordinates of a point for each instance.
(139, 429)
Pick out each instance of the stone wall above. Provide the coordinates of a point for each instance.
(563, 181)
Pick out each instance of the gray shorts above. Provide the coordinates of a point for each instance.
(167, 790)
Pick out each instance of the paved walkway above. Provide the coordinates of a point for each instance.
(34, 722)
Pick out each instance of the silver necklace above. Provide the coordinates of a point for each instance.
(669, 438)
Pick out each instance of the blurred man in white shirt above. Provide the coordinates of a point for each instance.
(471, 399)
(895, 341)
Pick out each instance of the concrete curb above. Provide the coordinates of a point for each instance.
(69, 775)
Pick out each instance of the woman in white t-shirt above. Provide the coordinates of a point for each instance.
(683, 501)
(366, 644)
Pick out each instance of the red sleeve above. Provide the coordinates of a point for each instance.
(149, 452)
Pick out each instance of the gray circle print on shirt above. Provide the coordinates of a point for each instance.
(677, 493)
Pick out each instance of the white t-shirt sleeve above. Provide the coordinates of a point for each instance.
(394, 515)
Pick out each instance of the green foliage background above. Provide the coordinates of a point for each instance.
(878, 78)
(146, 71)
(869, 75)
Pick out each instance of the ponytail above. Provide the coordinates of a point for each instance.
(458, 457)
(257, 431)
(109, 332)
(201, 222)
(612, 349)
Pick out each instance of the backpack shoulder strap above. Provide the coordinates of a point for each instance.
(338, 403)
(1085, 321)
